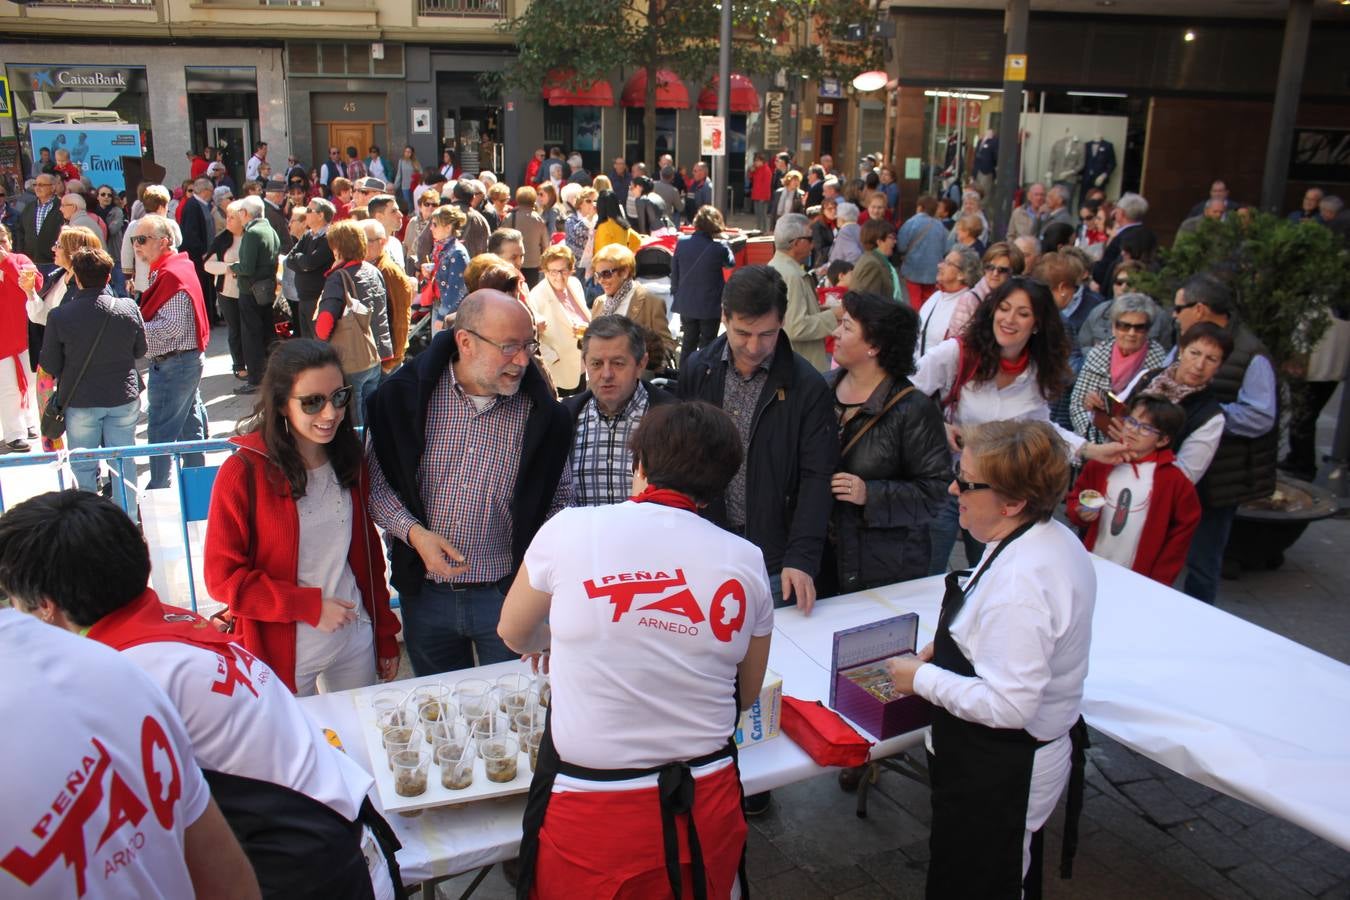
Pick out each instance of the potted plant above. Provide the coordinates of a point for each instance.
(1285, 278)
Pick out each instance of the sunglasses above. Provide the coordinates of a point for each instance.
(139, 239)
(313, 404)
(999, 270)
(1139, 327)
(967, 486)
(605, 274)
(104, 194)
(1122, 282)
(427, 203)
(1181, 306)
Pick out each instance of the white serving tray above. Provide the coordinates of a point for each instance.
(436, 794)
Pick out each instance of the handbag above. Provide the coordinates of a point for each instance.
(54, 413)
(823, 734)
(351, 337)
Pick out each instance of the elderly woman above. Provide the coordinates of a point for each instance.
(1001, 261)
(113, 217)
(954, 302)
(427, 203)
(560, 314)
(219, 260)
(968, 230)
(847, 239)
(623, 296)
(578, 225)
(1005, 671)
(221, 199)
(597, 823)
(1096, 327)
(873, 272)
(893, 462)
(970, 206)
(1011, 362)
(353, 277)
(697, 277)
(1112, 367)
(534, 232)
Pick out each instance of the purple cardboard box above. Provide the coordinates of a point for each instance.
(854, 647)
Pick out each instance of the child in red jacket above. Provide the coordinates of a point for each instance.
(1140, 514)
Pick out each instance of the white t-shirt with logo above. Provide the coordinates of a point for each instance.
(99, 783)
(1129, 490)
(243, 720)
(653, 609)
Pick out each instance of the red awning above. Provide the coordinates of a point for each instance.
(557, 93)
(744, 97)
(670, 90)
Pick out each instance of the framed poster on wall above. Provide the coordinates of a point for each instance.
(421, 120)
(1320, 155)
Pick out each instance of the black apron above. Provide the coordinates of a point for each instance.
(981, 781)
(675, 783)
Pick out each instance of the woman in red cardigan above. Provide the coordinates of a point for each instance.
(290, 545)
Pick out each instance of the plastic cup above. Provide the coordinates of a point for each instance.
(1091, 500)
(398, 740)
(410, 772)
(429, 693)
(433, 714)
(473, 697)
(501, 758)
(531, 740)
(455, 760)
(513, 690)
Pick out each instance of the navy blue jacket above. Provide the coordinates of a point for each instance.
(696, 279)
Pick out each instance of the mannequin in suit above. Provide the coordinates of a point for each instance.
(1099, 161)
(986, 162)
(1066, 161)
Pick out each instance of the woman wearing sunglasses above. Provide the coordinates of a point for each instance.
(615, 267)
(1114, 365)
(290, 546)
(1001, 262)
(1011, 362)
(1005, 670)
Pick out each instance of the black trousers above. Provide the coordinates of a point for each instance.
(255, 320)
(304, 316)
(697, 333)
(1308, 399)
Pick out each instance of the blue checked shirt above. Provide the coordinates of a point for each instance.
(602, 463)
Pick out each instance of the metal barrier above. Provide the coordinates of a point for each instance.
(118, 458)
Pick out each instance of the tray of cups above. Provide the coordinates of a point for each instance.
(442, 742)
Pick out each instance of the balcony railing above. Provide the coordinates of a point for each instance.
(476, 9)
(94, 4)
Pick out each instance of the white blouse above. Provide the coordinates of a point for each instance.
(39, 306)
(986, 402)
(1026, 628)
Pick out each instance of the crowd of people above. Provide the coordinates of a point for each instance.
(892, 382)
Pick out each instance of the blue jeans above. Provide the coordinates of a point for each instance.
(1205, 561)
(442, 626)
(99, 426)
(943, 532)
(365, 384)
(176, 411)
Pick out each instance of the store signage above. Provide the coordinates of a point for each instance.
(96, 149)
(55, 79)
(773, 119)
(1320, 155)
(713, 135)
(832, 88)
(1015, 67)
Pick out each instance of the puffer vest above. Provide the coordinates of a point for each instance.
(1243, 468)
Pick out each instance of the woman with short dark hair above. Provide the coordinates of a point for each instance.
(696, 280)
(873, 272)
(645, 701)
(1005, 671)
(893, 463)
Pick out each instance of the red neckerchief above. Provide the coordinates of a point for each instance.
(1154, 457)
(346, 265)
(666, 497)
(1015, 366)
(146, 620)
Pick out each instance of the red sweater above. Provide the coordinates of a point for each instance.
(761, 183)
(1173, 514)
(262, 593)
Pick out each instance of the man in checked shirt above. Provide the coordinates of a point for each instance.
(607, 413)
(468, 458)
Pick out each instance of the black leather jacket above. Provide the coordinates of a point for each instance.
(905, 462)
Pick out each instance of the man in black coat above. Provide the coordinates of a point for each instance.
(198, 231)
(310, 259)
(35, 240)
(1132, 238)
(780, 499)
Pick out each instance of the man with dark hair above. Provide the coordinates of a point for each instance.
(614, 351)
(669, 192)
(652, 213)
(298, 804)
(474, 234)
(780, 499)
(310, 259)
(815, 185)
(921, 243)
(468, 457)
(331, 169)
(254, 164)
(1244, 464)
(274, 207)
(384, 209)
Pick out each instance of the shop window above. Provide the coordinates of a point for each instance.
(351, 60)
(558, 127)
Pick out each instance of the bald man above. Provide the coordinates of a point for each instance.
(469, 458)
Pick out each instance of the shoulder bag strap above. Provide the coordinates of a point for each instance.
(872, 421)
(84, 368)
(348, 290)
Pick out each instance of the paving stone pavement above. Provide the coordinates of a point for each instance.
(1146, 832)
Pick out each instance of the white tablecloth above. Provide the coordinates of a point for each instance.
(1209, 695)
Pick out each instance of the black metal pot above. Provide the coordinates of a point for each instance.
(1264, 529)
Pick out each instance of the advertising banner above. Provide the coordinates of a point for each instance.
(96, 149)
(712, 132)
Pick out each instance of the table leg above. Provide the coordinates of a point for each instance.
(428, 887)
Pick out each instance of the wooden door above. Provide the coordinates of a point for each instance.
(352, 134)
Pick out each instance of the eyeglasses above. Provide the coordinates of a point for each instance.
(1139, 327)
(605, 274)
(1142, 427)
(967, 486)
(105, 194)
(999, 270)
(557, 271)
(139, 239)
(511, 350)
(427, 203)
(313, 404)
(1122, 281)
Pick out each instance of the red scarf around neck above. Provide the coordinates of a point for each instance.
(1014, 366)
(170, 274)
(666, 497)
